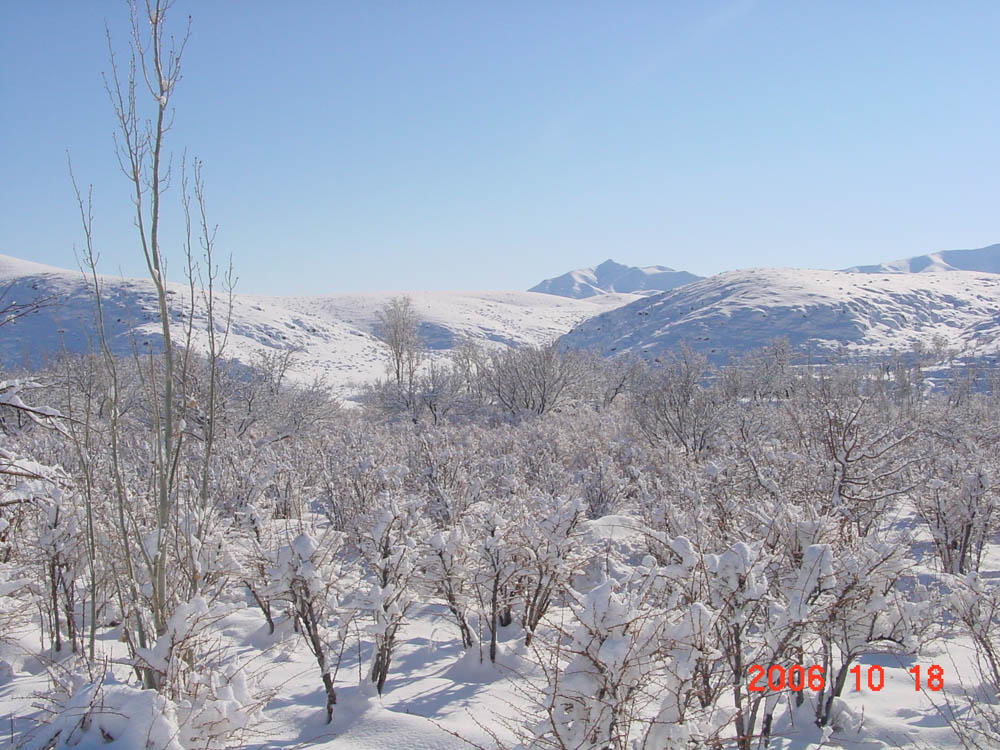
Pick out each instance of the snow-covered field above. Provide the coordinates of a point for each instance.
(440, 696)
(631, 578)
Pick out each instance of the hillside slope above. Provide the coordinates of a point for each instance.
(332, 335)
(818, 310)
(982, 260)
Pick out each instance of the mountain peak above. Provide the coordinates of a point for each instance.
(611, 276)
(610, 265)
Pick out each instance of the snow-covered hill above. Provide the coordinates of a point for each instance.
(983, 260)
(821, 310)
(333, 335)
(614, 277)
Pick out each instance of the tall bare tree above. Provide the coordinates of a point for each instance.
(140, 92)
(398, 329)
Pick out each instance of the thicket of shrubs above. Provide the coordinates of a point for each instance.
(764, 512)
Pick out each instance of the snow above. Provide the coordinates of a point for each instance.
(376, 728)
(333, 336)
(818, 310)
(983, 260)
(134, 718)
(610, 277)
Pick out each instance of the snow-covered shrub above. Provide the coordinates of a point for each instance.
(59, 549)
(106, 713)
(445, 464)
(494, 566)
(750, 628)
(601, 676)
(626, 669)
(446, 566)
(214, 699)
(39, 527)
(15, 600)
(858, 605)
(975, 603)
(603, 482)
(358, 466)
(960, 508)
(550, 551)
(307, 573)
(864, 445)
(673, 405)
(389, 543)
(531, 379)
(435, 395)
(690, 711)
(224, 710)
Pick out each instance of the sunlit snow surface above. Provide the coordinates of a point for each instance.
(435, 691)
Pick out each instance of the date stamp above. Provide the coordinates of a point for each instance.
(798, 677)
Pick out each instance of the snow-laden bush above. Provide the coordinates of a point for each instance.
(446, 567)
(359, 464)
(975, 603)
(960, 508)
(494, 565)
(600, 677)
(625, 669)
(57, 539)
(106, 713)
(389, 542)
(15, 600)
(550, 551)
(690, 711)
(863, 607)
(40, 529)
(446, 465)
(213, 697)
(307, 574)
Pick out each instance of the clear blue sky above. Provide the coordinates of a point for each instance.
(406, 145)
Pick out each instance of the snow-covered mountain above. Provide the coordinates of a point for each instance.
(333, 335)
(983, 260)
(731, 312)
(614, 277)
(821, 310)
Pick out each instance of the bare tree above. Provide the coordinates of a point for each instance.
(155, 65)
(673, 403)
(532, 379)
(397, 327)
(140, 92)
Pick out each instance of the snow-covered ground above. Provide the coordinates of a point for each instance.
(439, 698)
(432, 693)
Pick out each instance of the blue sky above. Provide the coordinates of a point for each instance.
(445, 145)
